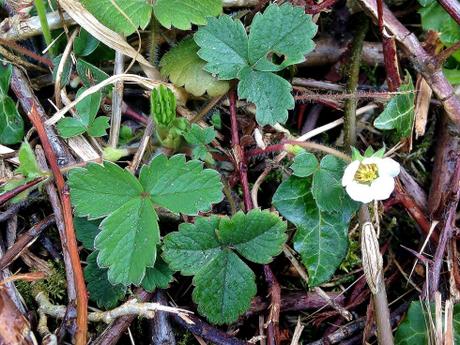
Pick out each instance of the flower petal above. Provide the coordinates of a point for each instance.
(350, 172)
(382, 187)
(359, 192)
(388, 167)
(372, 160)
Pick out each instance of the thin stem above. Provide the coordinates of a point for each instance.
(239, 154)
(352, 84)
(379, 295)
(5, 197)
(117, 101)
(310, 145)
(452, 7)
(41, 11)
(71, 241)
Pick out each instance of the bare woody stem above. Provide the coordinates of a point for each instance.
(71, 241)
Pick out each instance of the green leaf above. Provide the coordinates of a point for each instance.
(305, 164)
(452, 75)
(98, 190)
(183, 13)
(193, 246)
(181, 186)
(257, 235)
(127, 241)
(197, 135)
(123, 18)
(224, 46)
(456, 323)
(163, 106)
(285, 31)
(69, 127)
(183, 67)
(98, 128)
(66, 72)
(200, 152)
(28, 165)
(413, 330)
(399, 113)
(272, 100)
(91, 75)
(84, 43)
(86, 231)
(5, 78)
(356, 155)
(100, 290)
(88, 107)
(158, 276)
(321, 237)
(224, 288)
(327, 187)
(11, 123)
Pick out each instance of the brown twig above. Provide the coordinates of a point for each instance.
(423, 62)
(452, 7)
(239, 154)
(207, 332)
(24, 241)
(70, 241)
(273, 331)
(7, 196)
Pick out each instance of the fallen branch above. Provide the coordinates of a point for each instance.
(131, 307)
(24, 241)
(423, 62)
(70, 241)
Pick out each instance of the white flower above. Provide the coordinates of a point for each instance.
(370, 179)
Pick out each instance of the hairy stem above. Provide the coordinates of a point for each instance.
(352, 84)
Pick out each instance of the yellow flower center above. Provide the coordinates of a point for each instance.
(366, 173)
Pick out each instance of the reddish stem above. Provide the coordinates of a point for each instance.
(7, 196)
(239, 154)
(314, 8)
(452, 7)
(71, 241)
(268, 149)
(390, 56)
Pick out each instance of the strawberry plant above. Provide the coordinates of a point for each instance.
(274, 172)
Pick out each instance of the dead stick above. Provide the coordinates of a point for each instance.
(273, 331)
(24, 241)
(7, 196)
(423, 62)
(70, 239)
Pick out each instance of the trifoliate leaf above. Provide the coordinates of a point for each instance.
(183, 13)
(224, 288)
(193, 246)
(181, 186)
(272, 100)
(224, 46)
(183, 67)
(399, 113)
(98, 128)
(11, 123)
(157, 277)
(122, 16)
(100, 290)
(86, 231)
(257, 235)
(281, 31)
(197, 135)
(84, 43)
(305, 164)
(321, 237)
(413, 330)
(327, 187)
(127, 241)
(98, 190)
(5, 78)
(28, 165)
(163, 106)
